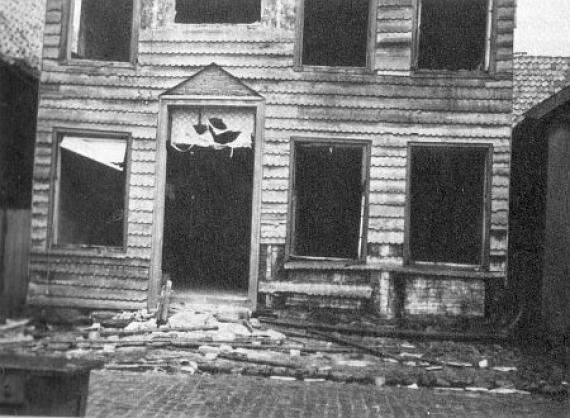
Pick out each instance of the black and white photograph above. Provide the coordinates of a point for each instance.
(285, 208)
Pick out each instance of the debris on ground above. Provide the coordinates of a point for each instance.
(15, 333)
(164, 302)
(191, 341)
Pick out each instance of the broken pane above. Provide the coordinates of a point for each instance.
(91, 191)
(334, 33)
(447, 203)
(328, 196)
(218, 11)
(102, 29)
(452, 34)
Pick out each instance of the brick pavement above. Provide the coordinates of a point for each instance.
(130, 394)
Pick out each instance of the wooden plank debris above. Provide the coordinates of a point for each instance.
(164, 301)
(391, 332)
(14, 324)
(350, 343)
(246, 359)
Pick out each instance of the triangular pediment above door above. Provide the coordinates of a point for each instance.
(212, 80)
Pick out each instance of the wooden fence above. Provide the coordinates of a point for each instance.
(14, 251)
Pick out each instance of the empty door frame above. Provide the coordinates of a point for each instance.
(257, 105)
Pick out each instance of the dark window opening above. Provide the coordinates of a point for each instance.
(328, 193)
(447, 204)
(453, 34)
(91, 191)
(335, 32)
(102, 29)
(218, 11)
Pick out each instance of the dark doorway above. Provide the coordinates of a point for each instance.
(207, 221)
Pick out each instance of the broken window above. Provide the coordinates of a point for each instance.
(218, 11)
(90, 191)
(102, 29)
(447, 203)
(329, 197)
(453, 34)
(335, 33)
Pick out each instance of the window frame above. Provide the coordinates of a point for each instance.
(222, 24)
(67, 39)
(487, 208)
(55, 174)
(490, 40)
(366, 146)
(370, 42)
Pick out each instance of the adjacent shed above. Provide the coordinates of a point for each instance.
(540, 223)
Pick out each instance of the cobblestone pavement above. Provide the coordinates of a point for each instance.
(130, 394)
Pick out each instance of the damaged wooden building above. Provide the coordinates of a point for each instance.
(344, 153)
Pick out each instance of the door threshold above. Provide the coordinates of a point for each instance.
(210, 300)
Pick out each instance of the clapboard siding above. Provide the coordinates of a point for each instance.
(478, 108)
(505, 23)
(450, 130)
(156, 77)
(95, 302)
(111, 280)
(84, 292)
(165, 49)
(394, 37)
(297, 82)
(389, 107)
(78, 280)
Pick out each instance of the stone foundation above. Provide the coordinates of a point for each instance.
(388, 293)
(443, 296)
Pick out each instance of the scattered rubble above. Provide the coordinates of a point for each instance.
(504, 369)
(14, 333)
(224, 342)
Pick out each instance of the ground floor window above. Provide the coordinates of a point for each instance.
(448, 205)
(90, 184)
(329, 199)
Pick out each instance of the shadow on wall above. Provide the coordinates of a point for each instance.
(18, 108)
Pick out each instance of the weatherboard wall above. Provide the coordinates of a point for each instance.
(390, 107)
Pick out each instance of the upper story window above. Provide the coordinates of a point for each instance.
(453, 34)
(334, 33)
(218, 11)
(102, 30)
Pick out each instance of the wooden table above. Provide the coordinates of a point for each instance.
(42, 385)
